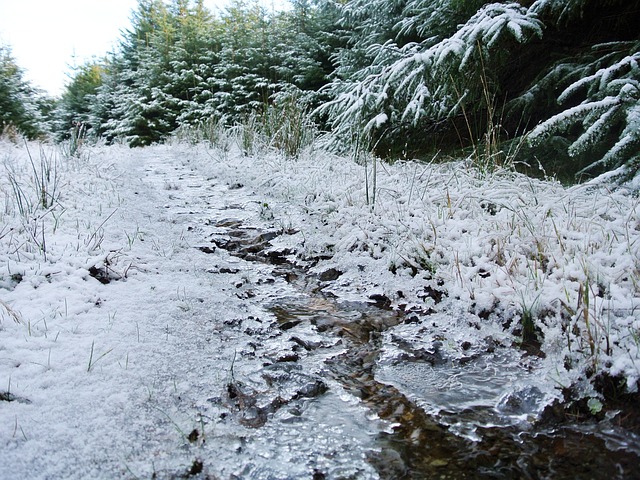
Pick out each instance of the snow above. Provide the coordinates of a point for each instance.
(562, 120)
(377, 121)
(117, 374)
(112, 377)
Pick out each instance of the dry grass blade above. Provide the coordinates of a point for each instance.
(12, 313)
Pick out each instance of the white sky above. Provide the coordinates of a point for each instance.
(45, 35)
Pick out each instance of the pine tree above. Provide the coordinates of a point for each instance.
(418, 86)
(74, 110)
(22, 106)
(178, 65)
(192, 62)
(130, 104)
(453, 71)
(588, 100)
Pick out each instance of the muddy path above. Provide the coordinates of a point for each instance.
(198, 336)
(416, 444)
(309, 385)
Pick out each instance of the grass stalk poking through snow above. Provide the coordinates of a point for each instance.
(93, 362)
(11, 312)
(45, 178)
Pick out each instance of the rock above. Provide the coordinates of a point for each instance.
(207, 249)
(103, 275)
(290, 324)
(381, 301)
(288, 357)
(330, 275)
(524, 401)
(10, 397)
(439, 463)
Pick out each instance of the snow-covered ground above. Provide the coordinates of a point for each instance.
(129, 378)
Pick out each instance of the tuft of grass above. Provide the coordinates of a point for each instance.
(94, 241)
(249, 135)
(14, 315)
(284, 125)
(93, 362)
(287, 125)
(488, 154)
(45, 178)
(10, 133)
(214, 131)
(21, 200)
(42, 189)
(77, 137)
(530, 333)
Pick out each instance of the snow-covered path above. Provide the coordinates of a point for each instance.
(191, 359)
(127, 379)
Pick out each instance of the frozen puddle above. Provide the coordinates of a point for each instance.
(327, 437)
(490, 390)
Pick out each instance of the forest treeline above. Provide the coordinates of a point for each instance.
(545, 83)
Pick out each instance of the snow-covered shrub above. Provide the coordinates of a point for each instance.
(423, 83)
(602, 108)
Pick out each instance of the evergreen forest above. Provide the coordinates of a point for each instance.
(548, 86)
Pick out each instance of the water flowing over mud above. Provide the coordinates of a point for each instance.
(448, 409)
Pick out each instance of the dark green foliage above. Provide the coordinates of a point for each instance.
(601, 115)
(410, 76)
(22, 107)
(447, 74)
(74, 110)
(407, 90)
(587, 95)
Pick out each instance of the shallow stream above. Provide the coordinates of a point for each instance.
(452, 409)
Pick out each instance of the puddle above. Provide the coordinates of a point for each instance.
(458, 411)
(494, 382)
